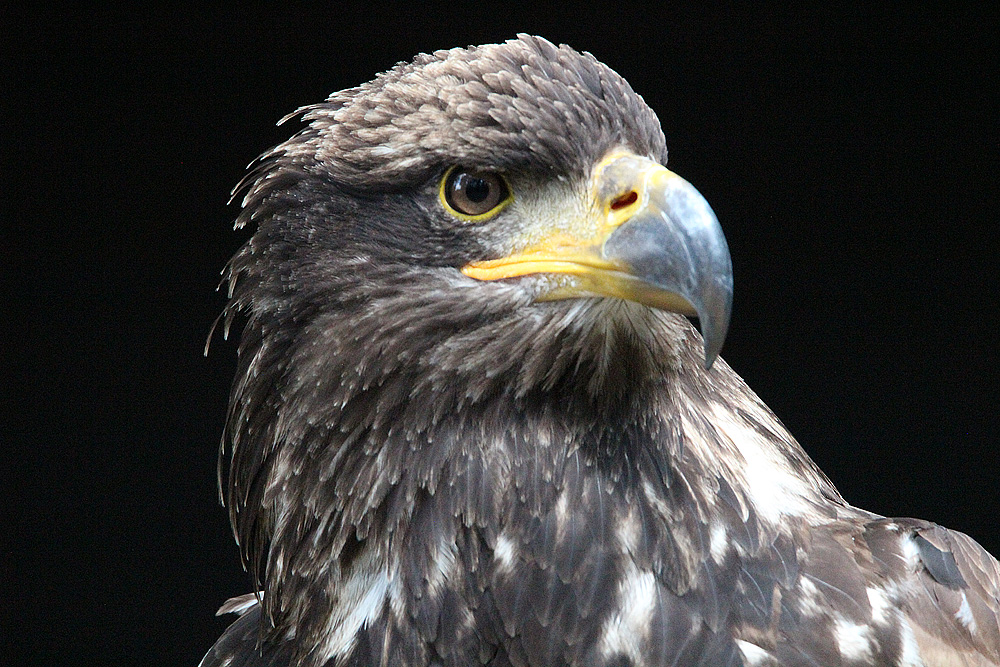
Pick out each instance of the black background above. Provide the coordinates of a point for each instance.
(850, 155)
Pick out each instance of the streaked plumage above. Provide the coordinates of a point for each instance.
(426, 468)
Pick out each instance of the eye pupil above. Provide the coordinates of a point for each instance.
(477, 190)
(474, 192)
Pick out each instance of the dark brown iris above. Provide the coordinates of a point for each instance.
(474, 192)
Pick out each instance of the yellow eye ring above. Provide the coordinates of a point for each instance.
(473, 195)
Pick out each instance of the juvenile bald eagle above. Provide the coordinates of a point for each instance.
(471, 424)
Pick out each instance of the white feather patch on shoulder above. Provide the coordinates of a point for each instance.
(853, 640)
(719, 544)
(626, 630)
(964, 615)
(753, 655)
(881, 606)
(361, 599)
(239, 604)
(909, 650)
(757, 466)
(505, 552)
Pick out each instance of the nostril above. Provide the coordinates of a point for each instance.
(626, 199)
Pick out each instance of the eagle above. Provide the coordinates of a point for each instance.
(473, 422)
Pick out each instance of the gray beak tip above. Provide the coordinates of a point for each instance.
(713, 336)
(714, 305)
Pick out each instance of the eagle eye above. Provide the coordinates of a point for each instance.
(474, 195)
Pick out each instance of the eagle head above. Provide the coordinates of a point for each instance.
(475, 252)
